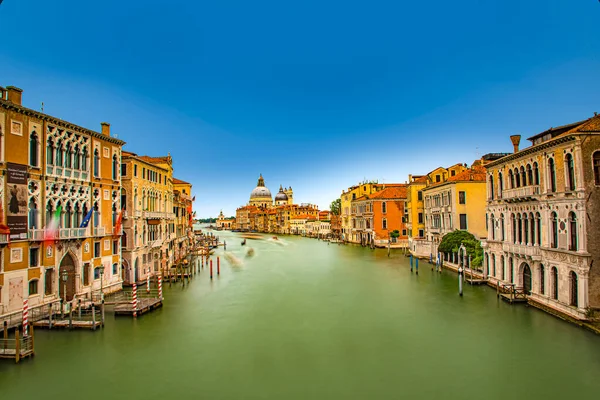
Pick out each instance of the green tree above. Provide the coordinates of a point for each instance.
(451, 243)
(336, 207)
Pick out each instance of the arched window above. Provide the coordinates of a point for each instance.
(96, 163)
(77, 158)
(538, 221)
(502, 267)
(517, 178)
(525, 229)
(491, 187)
(596, 162)
(492, 227)
(552, 175)
(502, 234)
(115, 167)
(59, 153)
(84, 160)
(514, 228)
(33, 149)
(383, 207)
(542, 279)
(512, 270)
(384, 224)
(511, 179)
(536, 174)
(531, 229)
(529, 175)
(96, 215)
(135, 236)
(77, 216)
(573, 245)
(68, 215)
(500, 185)
(554, 283)
(570, 167)
(523, 177)
(574, 289)
(33, 214)
(68, 154)
(50, 152)
(519, 229)
(554, 230)
(493, 265)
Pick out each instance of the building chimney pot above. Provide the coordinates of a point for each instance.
(515, 139)
(105, 128)
(14, 94)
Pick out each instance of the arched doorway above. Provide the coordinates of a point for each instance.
(67, 265)
(574, 289)
(526, 278)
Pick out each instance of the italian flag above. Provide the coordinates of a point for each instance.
(51, 231)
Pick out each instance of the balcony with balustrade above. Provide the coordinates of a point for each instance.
(62, 234)
(525, 193)
(529, 252)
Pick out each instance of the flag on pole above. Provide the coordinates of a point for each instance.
(86, 219)
(51, 231)
(194, 198)
(118, 224)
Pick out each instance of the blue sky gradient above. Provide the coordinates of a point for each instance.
(315, 94)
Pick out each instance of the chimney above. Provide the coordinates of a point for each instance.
(515, 139)
(14, 94)
(105, 128)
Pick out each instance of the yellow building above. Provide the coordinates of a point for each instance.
(53, 168)
(347, 196)
(415, 208)
(147, 199)
(454, 199)
(182, 229)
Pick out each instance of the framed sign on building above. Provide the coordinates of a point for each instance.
(16, 200)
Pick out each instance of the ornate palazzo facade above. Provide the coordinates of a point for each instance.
(543, 216)
(54, 169)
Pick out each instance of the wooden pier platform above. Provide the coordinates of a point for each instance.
(476, 281)
(18, 347)
(144, 305)
(64, 324)
(512, 298)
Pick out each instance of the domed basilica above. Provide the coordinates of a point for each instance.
(261, 196)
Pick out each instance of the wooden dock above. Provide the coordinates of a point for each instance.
(90, 318)
(18, 347)
(144, 305)
(475, 281)
(512, 298)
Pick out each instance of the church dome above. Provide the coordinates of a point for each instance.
(260, 191)
(281, 196)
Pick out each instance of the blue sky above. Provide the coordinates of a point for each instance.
(315, 94)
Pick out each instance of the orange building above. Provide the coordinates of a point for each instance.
(389, 214)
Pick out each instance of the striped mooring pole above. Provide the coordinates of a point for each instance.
(134, 300)
(160, 288)
(25, 316)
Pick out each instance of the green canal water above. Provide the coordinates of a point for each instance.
(307, 320)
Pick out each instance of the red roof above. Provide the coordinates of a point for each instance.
(475, 173)
(394, 192)
(180, 182)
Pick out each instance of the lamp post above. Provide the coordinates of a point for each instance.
(65, 277)
(102, 284)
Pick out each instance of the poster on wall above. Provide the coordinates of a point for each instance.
(16, 200)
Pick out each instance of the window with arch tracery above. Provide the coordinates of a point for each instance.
(552, 175)
(96, 163)
(554, 230)
(34, 157)
(570, 170)
(573, 242)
